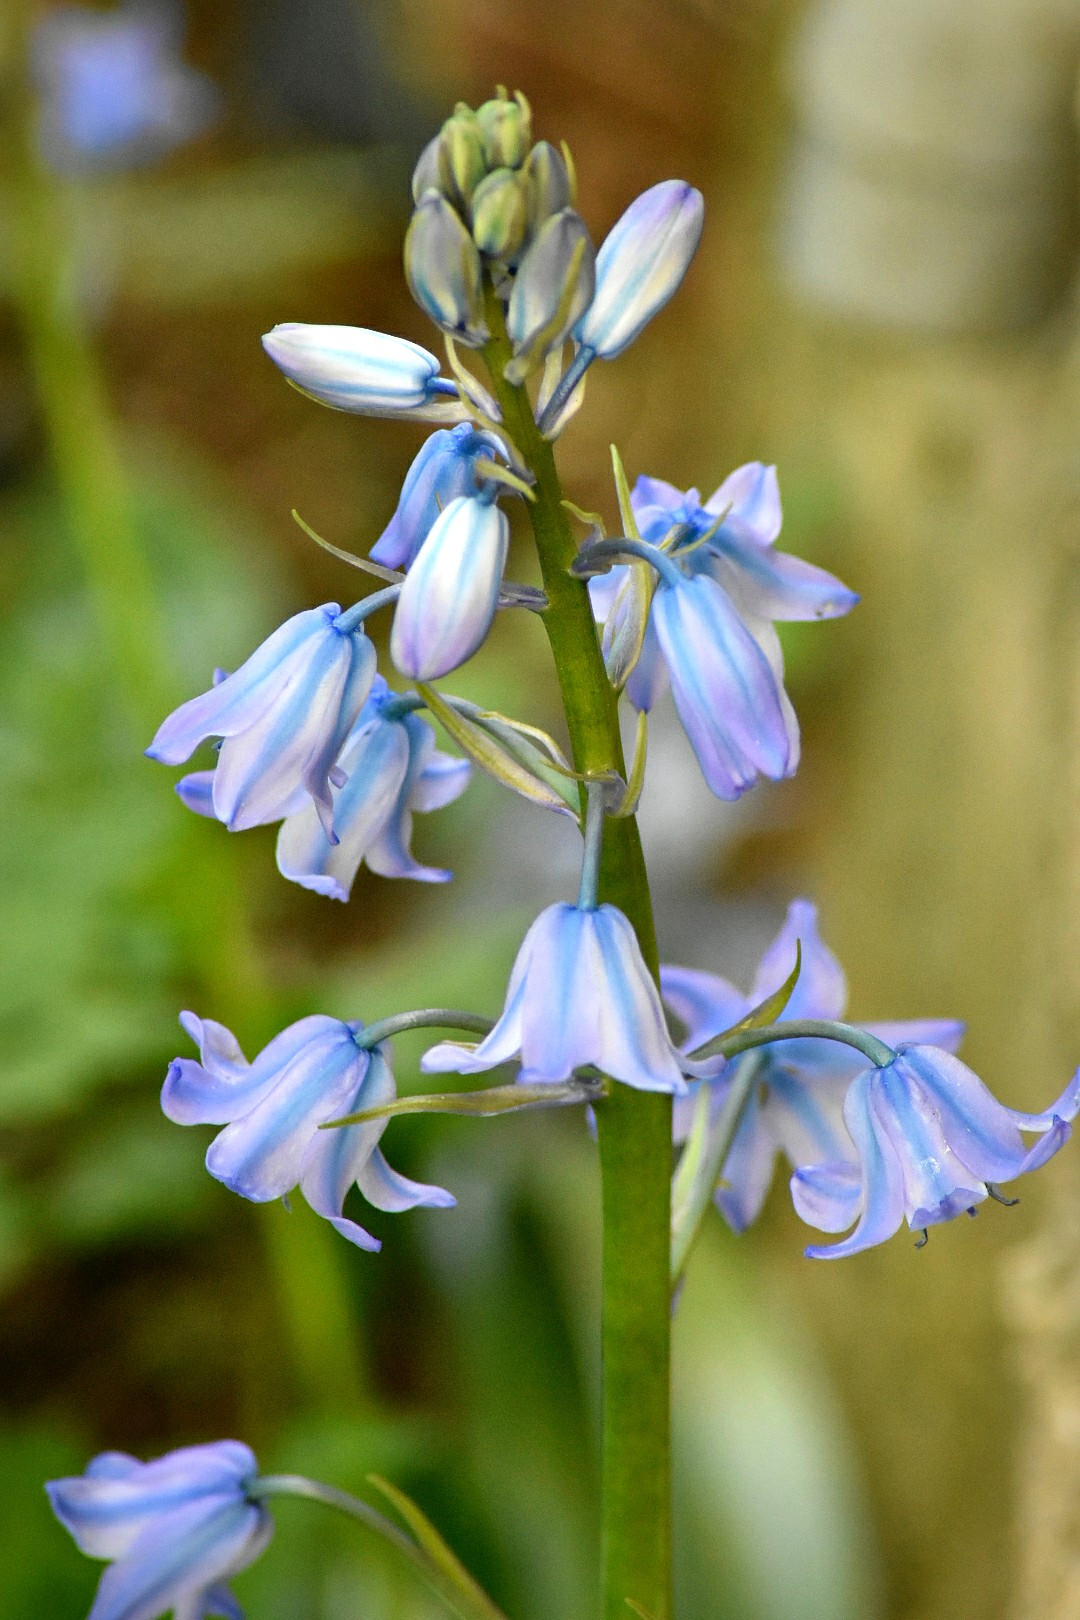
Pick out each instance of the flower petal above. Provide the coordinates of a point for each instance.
(827, 1195)
(773, 584)
(179, 1557)
(704, 1002)
(821, 990)
(641, 263)
(881, 1200)
(352, 368)
(451, 591)
(747, 1172)
(753, 494)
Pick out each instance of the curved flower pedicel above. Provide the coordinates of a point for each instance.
(284, 716)
(451, 591)
(352, 368)
(709, 631)
(391, 768)
(175, 1530)
(796, 1107)
(579, 993)
(930, 1143)
(314, 1071)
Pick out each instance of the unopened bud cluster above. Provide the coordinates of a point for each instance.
(489, 199)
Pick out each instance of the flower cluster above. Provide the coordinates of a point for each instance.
(919, 1137)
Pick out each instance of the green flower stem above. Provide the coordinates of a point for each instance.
(634, 1127)
(701, 1164)
(792, 1029)
(384, 1029)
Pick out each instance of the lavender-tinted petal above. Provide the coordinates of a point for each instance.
(559, 1008)
(640, 265)
(747, 1172)
(804, 1107)
(222, 1086)
(938, 1183)
(237, 702)
(648, 680)
(451, 591)
(827, 1195)
(881, 1201)
(196, 792)
(753, 495)
(179, 1558)
(261, 1154)
(220, 1602)
(704, 1002)
(648, 493)
(386, 1189)
(773, 584)
(635, 1046)
(821, 989)
(443, 470)
(944, 1033)
(376, 760)
(440, 781)
(724, 688)
(767, 639)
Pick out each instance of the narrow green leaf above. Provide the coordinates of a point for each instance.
(496, 758)
(460, 1587)
(492, 1100)
(636, 780)
(622, 489)
(591, 520)
(766, 1012)
(637, 1609)
(391, 575)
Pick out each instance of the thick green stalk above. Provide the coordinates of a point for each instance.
(634, 1127)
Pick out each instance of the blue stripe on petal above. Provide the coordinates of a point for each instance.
(882, 1188)
(451, 591)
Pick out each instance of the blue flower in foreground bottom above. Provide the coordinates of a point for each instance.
(284, 715)
(391, 768)
(312, 1072)
(175, 1529)
(930, 1143)
(579, 993)
(797, 1105)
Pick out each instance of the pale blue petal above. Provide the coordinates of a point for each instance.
(560, 994)
(747, 1172)
(177, 1559)
(440, 781)
(821, 989)
(804, 1107)
(640, 264)
(223, 1086)
(261, 1154)
(704, 1002)
(773, 584)
(376, 760)
(443, 470)
(353, 368)
(390, 854)
(196, 792)
(451, 591)
(634, 1044)
(938, 1185)
(881, 1199)
(386, 1189)
(753, 494)
(724, 688)
(827, 1195)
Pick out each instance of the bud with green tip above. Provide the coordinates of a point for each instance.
(552, 290)
(463, 147)
(507, 131)
(500, 213)
(550, 183)
(442, 266)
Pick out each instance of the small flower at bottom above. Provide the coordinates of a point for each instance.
(579, 993)
(391, 769)
(930, 1143)
(175, 1530)
(284, 716)
(311, 1073)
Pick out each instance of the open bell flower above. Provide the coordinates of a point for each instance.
(391, 768)
(313, 1072)
(444, 469)
(930, 1143)
(451, 591)
(283, 717)
(175, 1530)
(796, 1108)
(352, 368)
(579, 993)
(641, 263)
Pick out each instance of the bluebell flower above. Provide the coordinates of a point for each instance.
(579, 993)
(930, 1142)
(710, 632)
(114, 91)
(391, 769)
(444, 469)
(284, 716)
(451, 591)
(797, 1105)
(442, 267)
(312, 1072)
(175, 1530)
(352, 368)
(640, 264)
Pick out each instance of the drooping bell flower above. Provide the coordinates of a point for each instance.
(796, 1107)
(930, 1143)
(391, 769)
(444, 469)
(175, 1530)
(283, 717)
(352, 368)
(579, 993)
(451, 591)
(313, 1072)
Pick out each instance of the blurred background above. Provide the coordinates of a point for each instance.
(882, 305)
